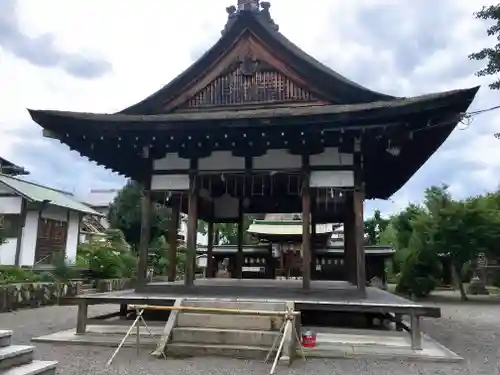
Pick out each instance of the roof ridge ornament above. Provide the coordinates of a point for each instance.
(253, 6)
(248, 5)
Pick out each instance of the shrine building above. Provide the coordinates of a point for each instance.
(256, 125)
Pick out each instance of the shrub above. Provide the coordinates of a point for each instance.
(107, 258)
(63, 271)
(418, 274)
(46, 277)
(12, 274)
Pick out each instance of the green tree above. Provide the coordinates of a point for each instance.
(374, 226)
(125, 214)
(459, 230)
(401, 224)
(490, 54)
(420, 269)
(388, 236)
(227, 233)
(463, 230)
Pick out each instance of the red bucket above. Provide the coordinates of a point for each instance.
(309, 339)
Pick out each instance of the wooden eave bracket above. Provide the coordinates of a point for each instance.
(50, 134)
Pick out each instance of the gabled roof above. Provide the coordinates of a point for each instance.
(35, 193)
(337, 88)
(11, 169)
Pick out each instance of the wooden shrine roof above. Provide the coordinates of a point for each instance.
(348, 114)
(229, 88)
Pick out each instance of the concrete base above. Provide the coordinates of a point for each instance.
(382, 345)
(331, 343)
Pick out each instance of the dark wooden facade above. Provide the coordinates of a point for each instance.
(259, 262)
(256, 125)
(51, 240)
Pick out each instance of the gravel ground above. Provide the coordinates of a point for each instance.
(471, 329)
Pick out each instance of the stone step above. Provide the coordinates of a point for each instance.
(239, 305)
(233, 351)
(226, 321)
(223, 336)
(33, 368)
(15, 355)
(5, 338)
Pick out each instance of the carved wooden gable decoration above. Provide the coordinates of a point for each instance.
(249, 81)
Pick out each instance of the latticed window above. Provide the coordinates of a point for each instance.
(8, 225)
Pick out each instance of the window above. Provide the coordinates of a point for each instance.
(9, 225)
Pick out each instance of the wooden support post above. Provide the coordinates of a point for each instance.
(416, 333)
(240, 258)
(173, 230)
(81, 320)
(359, 225)
(192, 229)
(313, 240)
(209, 271)
(306, 232)
(350, 241)
(145, 239)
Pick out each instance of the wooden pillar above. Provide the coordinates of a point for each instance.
(209, 271)
(240, 257)
(359, 225)
(145, 238)
(192, 229)
(306, 231)
(350, 241)
(313, 239)
(173, 229)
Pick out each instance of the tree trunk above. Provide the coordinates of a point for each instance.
(458, 281)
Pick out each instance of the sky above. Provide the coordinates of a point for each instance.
(102, 56)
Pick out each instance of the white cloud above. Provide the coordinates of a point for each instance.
(401, 47)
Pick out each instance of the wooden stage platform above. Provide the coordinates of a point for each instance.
(324, 296)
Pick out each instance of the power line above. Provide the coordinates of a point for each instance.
(481, 111)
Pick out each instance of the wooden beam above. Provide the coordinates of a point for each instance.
(172, 242)
(192, 229)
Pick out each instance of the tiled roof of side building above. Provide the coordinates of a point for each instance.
(38, 193)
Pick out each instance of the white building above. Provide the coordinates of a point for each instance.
(38, 222)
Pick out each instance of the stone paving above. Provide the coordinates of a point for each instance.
(470, 329)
